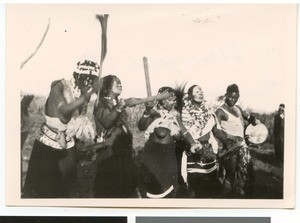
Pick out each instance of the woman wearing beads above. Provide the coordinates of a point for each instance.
(199, 167)
(115, 176)
(162, 127)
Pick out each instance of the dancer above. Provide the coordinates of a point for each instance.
(52, 169)
(159, 163)
(115, 175)
(199, 168)
(235, 155)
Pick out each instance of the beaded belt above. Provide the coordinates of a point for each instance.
(48, 137)
(200, 167)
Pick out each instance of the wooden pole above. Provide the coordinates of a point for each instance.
(38, 47)
(147, 78)
(103, 22)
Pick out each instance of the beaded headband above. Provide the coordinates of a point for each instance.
(87, 67)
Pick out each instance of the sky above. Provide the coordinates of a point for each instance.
(209, 45)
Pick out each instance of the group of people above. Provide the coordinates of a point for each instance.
(190, 150)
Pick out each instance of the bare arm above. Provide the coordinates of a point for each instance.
(221, 115)
(57, 105)
(184, 132)
(218, 133)
(244, 113)
(64, 109)
(250, 118)
(107, 117)
(147, 118)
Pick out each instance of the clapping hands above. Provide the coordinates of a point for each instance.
(120, 106)
(195, 147)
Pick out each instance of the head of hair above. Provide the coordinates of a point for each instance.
(85, 73)
(107, 83)
(282, 105)
(165, 89)
(190, 91)
(232, 88)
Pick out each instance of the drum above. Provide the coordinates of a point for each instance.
(256, 134)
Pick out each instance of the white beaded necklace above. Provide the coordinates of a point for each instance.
(75, 90)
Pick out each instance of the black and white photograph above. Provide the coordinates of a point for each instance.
(151, 105)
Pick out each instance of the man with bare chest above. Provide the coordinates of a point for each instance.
(52, 166)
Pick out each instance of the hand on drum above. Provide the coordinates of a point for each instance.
(257, 122)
